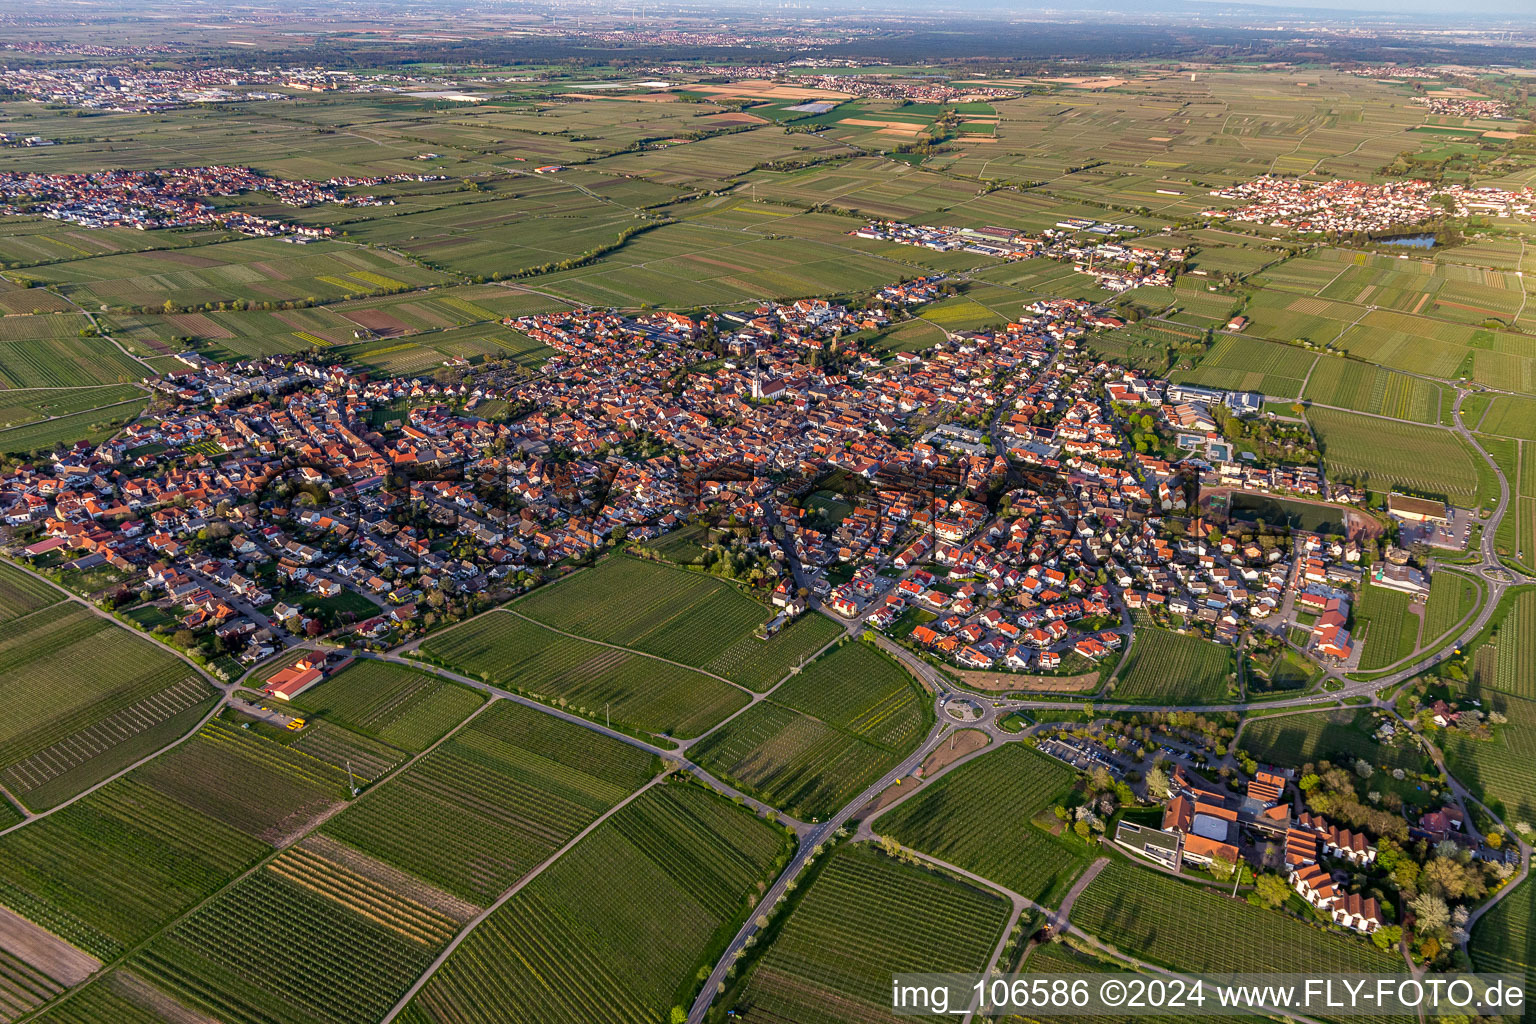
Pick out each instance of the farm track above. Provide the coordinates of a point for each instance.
(517, 887)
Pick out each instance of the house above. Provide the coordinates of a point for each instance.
(1315, 885)
(289, 682)
(1362, 913)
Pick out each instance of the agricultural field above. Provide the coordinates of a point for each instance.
(1384, 621)
(66, 363)
(793, 761)
(957, 820)
(1365, 388)
(1385, 455)
(608, 683)
(261, 270)
(1192, 928)
(674, 614)
(92, 423)
(22, 407)
(107, 871)
(1290, 741)
(1498, 770)
(861, 919)
(1504, 939)
(493, 800)
(1511, 416)
(1451, 597)
(260, 786)
(808, 765)
(1059, 958)
(1164, 665)
(345, 947)
(1507, 661)
(85, 698)
(859, 689)
(689, 865)
(21, 594)
(1251, 364)
(392, 703)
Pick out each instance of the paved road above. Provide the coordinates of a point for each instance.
(808, 844)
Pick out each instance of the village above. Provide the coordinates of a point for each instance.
(1118, 266)
(1355, 206)
(173, 198)
(997, 516)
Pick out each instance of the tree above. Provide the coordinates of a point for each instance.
(183, 638)
(1387, 936)
(1222, 868)
(1272, 889)
(1157, 783)
(1083, 829)
(1430, 912)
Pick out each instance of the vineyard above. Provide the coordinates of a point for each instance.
(1192, 928)
(981, 816)
(105, 872)
(672, 613)
(400, 706)
(496, 798)
(857, 689)
(1499, 770)
(365, 758)
(23, 987)
(21, 594)
(634, 911)
(1504, 940)
(1513, 647)
(79, 694)
(793, 761)
(864, 918)
(344, 950)
(603, 682)
(1366, 388)
(1167, 666)
(1385, 455)
(1451, 597)
(1384, 622)
(1058, 958)
(259, 786)
(1291, 741)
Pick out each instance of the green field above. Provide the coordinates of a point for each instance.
(257, 785)
(1192, 928)
(492, 801)
(863, 918)
(957, 820)
(636, 909)
(1507, 661)
(810, 766)
(678, 615)
(1385, 455)
(21, 594)
(1451, 597)
(1167, 666)
(398, 705)
(1059, 958)
(606, 683)
(84, 697)
(345, 948)
(1251, 364)
(1498, 770)
(1504, 939)
(1383, 621)
(107, 871)
(1365, 388)
(1290, 741)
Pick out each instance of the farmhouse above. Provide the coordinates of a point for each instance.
(289, 682)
